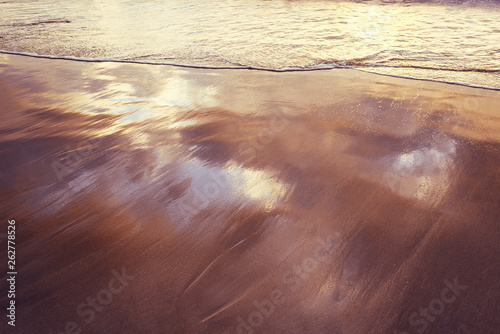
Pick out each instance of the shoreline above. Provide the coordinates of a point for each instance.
(284, 70)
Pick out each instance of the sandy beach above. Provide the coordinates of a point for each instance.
(161, 199)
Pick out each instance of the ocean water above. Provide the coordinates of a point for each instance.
(453, 41)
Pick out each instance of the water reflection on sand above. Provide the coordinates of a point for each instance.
(216, 188)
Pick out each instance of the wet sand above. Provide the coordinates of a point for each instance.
(156, 199)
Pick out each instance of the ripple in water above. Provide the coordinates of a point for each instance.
(452, 41)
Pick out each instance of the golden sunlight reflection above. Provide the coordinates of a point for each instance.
(377, 26)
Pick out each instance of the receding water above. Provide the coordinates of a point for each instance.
(457, 42)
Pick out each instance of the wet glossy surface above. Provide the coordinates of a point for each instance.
(347, 198)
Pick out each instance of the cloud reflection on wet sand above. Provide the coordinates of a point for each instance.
(208, 186)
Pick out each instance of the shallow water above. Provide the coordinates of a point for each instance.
(449, 41)
(347, 200)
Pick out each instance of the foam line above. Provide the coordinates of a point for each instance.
(301, 69)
